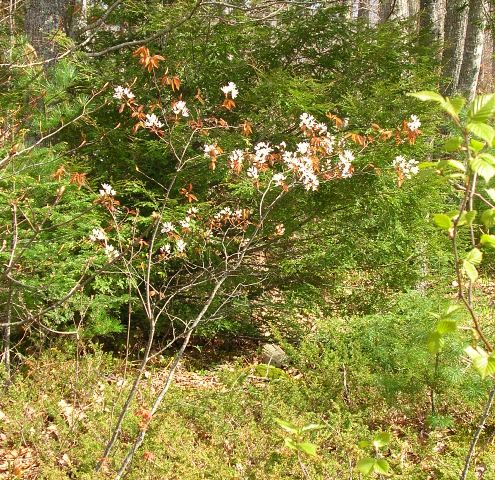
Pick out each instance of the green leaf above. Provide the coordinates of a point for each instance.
(451, 163)
(307, 448)
(483, 165)
(312, 426)
(474, 256)
(482, 108)
(482, 361)
(365, 465)
(364, 443)
(483, 131)
(381, 439)
(475, 145)
(435, 342)
(381, 466)
(453, 144)
(491, 193)
(488, 218)
(427, 95)
(488, 240)
(470, 270)
(288, 427)
(290, 443)
(449, 108)
(446, 326)
(443, 221)
(467, 218)
(458, 103)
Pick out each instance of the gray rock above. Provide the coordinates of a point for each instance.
(272, 354)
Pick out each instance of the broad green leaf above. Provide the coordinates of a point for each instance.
(467, 218)
(290, 443)
(483, 166)
(364, 443)
(312, 426)
(365, 465)
(449, 108)
(288, 427)
(443, 221)
(488, 240)
(483, 131)
(491, 193)
(476, 146)
(381, 466)
(426, 95)
(488, 218)
(451, 163)
(307, 448)
(381, 439)
(453, 144)
(474, 256)
(470, 270)
(435, 342)
(482, 361)
(446, 326)
(458, 103)
(482, 108)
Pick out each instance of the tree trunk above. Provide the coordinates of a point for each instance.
(485, 79)
(455, 34)
(44, 19)
(369, 10)
(353, 6)
(473, 48)
(432, 19)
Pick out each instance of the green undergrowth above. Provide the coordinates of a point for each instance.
(352, 376)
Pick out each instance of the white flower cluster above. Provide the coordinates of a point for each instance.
(152, 121)
(236, 159)
(210, 150)
(414, 124)
(261, 152)
(303, 167)
(230, 88)
(308, 122)
(227, 213)
(179, 108)
(98, 236)
(106, 189)
(345, 163)
(278, 179)
(121, 93)
(408, 168)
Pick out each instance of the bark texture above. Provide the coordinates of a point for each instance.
(44, 19)
(432, 18)
(455, 34)
(369, 10)
(473, 48)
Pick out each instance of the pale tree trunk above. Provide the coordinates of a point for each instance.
(44, 20)
(455, 34)
(432, 19)
(485, 79)
(370, 11)
(394, 10)
(353, 6)
(473, 48)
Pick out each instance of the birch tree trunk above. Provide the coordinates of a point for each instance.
(370, 11)
(485, 79)
(432, 19)
(44, 19)
(473, 48)
(455, 34)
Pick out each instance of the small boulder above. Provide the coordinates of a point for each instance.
(272, 354)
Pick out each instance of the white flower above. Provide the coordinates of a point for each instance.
(310, 181)
(262, 150)
(179, 108)
(186, 223)
(107, 189)
(210, 150)
(414, 124)
(168, 227)
(280, 229)
(192, 211)
(345, 164)
(278, 179)
(166, 249)
(111, 252)
(407, 167)
(180, 245)
(97, 234)
(120, 93)
(152, 121)
(307, 121)
(322, 128)
(303, 148)
(236, 159)
(252, 172)
(230, 88)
